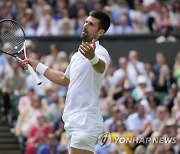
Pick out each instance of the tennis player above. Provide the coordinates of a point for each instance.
(83, 77)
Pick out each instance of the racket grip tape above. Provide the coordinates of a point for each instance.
(34, 75)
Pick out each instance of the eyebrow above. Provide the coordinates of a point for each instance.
(89, 22)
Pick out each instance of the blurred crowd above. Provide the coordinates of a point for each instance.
(66, 17)
(138, 99)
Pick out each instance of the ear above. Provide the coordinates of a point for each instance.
(101, 32)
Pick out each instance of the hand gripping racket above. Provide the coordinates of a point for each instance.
(13, 42)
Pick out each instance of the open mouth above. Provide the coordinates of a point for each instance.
(84, 31)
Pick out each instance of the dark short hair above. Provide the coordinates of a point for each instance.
(103, 17)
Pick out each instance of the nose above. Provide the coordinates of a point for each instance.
(85, 25)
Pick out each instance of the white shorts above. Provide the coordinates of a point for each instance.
(83, 129)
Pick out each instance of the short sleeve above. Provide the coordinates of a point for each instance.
(104, 55)
(67, 72)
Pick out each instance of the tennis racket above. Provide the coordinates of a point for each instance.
(13, 42)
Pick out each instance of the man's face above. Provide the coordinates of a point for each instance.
(90, 29)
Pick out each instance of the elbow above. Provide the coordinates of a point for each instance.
(101, 70)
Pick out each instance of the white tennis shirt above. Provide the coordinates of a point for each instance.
(85, 82)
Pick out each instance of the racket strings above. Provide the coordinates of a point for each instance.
(11, 37)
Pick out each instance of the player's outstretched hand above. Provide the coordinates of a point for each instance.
(88, 49)
(32, 62)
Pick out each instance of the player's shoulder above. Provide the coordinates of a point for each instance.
(102, 50)
(75, 55)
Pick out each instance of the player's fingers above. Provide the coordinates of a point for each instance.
(93, 44)
(82, 46)
(82, 51)
(87, 46)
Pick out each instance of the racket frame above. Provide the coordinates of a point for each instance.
(15, 55)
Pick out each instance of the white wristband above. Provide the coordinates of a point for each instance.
(94, 60)
(41, 68)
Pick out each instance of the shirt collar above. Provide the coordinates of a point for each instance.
(97, 43)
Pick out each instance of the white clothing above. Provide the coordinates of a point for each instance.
(82, 117)
(162, 39)
(135, 122)
(118, 75)
(83, 129)
(132, 73)
(85, 83)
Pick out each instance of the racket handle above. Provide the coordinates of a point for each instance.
(34, 75)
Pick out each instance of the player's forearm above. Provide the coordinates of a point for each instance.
(56, 77)
(100, 66)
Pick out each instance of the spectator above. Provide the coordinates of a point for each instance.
(113, 151)
(51, 57)
(110, 124)
(121, 72)
(29, 31)
(51, 145)
(176, 69)
(164, 18)
(139, 92)
(170, 99)
(153, 105)
(160, 60)
(122, 132)
(26, 119)
(140, 150)
(165, 79)
(25, 101)
(53, 112)
(170, 129)
(177, 146)
(119, 8)
(123, 28)
(16, 82)
(150, 74)
(130, 106)
(166, 35)
(38, 9)
(176, 109)
(59, 9)
(139, 122)
(140, 27)
(37, 134)
(162, 117)
(81, 16)
(116, 92)
(104, 103)
(5, 68)
(47, 100)
(47, 25)
(134, 68)
(65, 27)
